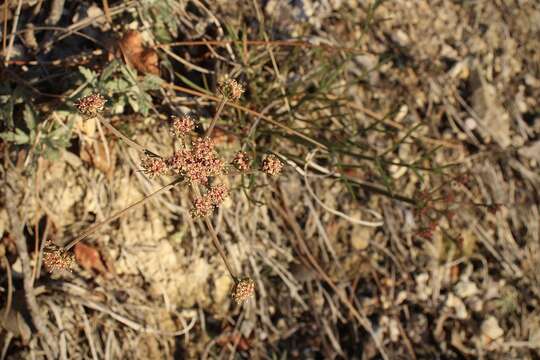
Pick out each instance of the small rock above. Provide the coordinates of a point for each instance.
(465, 289)
(457, 304)
(360, 237)
(491, 330)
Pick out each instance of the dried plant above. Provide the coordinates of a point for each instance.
(196, 163)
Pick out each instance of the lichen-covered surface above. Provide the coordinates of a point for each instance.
(339, 271)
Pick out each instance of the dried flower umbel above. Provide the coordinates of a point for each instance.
(154, 166)
(272, 165)
(197, 163)
(231, 89)
(57, 259)
(182, 125)
(243, 290)
(241, 161)
(205, 205)
(91, 105)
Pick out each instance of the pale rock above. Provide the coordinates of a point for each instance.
(455, 303)
(491, 330)
(466, 288)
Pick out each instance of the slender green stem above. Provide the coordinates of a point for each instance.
(92, 229)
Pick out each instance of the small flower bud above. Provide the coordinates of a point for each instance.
(91, 105)
(243, 290)
(272, 165)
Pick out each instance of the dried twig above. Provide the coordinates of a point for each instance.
(7, 56)
(22, 249)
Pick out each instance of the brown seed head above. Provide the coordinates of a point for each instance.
(231, 89)
(243, 290)
(272, 165)
(91, 105)
(182, 125)
(241, 161)
(154, 166)
(57, 259)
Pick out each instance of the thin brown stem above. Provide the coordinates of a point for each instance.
(220, 108)
(215, 238)
(291, 43)
(9, 299)
(92, 229)
(127, 140)
(217, 245)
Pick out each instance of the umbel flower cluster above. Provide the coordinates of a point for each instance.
(197, 161)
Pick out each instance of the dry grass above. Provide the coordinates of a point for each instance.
(404, 224)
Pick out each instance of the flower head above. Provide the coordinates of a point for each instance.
(272, 165)
(57, 259)
(154, 166)
(217, 194)
(231, 89)
(197, 163)
(202, 207)
(91, 105)
(205, 205)
(182, 125)
(243, 290)
(241, 161)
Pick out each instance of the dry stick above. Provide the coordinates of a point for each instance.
(130, 142)
(217, 244)
(9, 299)
(4, 31)
(22, 250)
(13, 30)
(220, 108)
(107, 11)
(136, 204)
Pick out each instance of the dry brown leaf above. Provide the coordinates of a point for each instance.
(149, 62)
(241, 342)
(143, 60)
(89, 258)
(131, 43)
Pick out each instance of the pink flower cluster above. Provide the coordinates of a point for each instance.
(197, 163)
(205, 205)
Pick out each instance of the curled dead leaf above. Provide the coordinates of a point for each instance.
(144, 60)
(89, 258)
